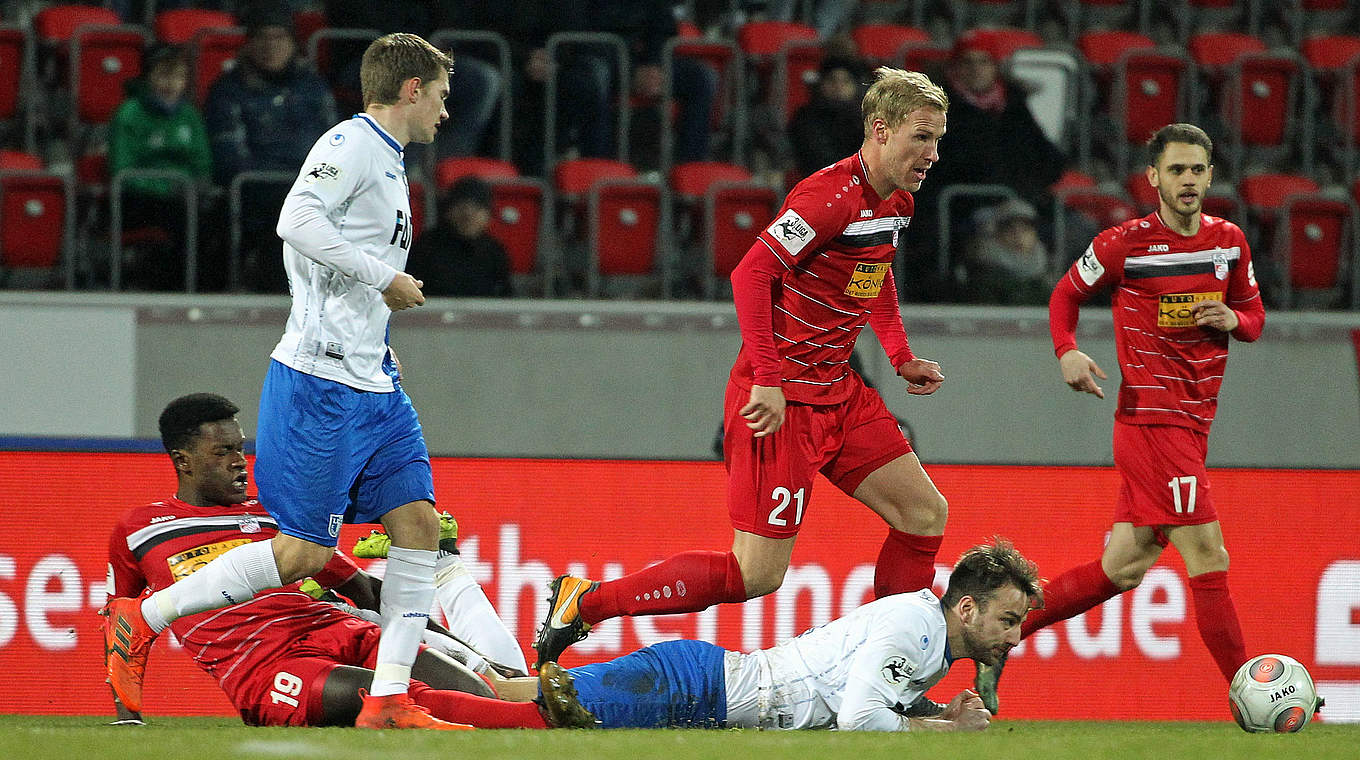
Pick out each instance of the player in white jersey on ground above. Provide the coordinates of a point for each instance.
(337, 439)
(866, 671)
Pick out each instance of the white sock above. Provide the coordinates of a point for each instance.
(232, 578)
(407, 593)
(470, 615)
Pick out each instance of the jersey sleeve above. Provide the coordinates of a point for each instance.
(1244, 295)
(880, 674)
(811, 218)
(125, 576)
(1101, 266)
(886, 320)
(330, 177)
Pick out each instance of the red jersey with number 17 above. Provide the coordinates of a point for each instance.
(1171, 368)
(826, 262)
(155, 545)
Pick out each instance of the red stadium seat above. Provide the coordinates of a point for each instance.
(574, 178)
(764, 39)
(519, 221)
(102, 60)
(691, 181)
(729, 104)
(782, 54)
(35, 219)
(1335, 64)
(1103, 49)
(179, 26)
(734, 214)
(1267, 192)
(624, 232)
(1314, 246)
(213, 52)
(450, 170)
(14, 56)
(1222, 49)
(17, 159)
(690, 184)
(1143, 194)
(1330, 52)
(881, 43)
(929, 58)
(1104, 209)
(1149, 89)
(1003, 41)
(1072, 179)
(56, 23)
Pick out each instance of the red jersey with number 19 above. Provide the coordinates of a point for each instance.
(155, 545)
(1171, 368)
(814, 279)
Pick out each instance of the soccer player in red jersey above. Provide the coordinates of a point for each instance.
(811, 282)
(282, 657)
(1183, 283)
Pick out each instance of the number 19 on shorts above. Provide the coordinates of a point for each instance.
(782, 497)
(1183, 493)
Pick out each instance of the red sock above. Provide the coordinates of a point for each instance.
(1216, 616)
(905, 563)
(687, 582)
(460, 707)
(1071, 593)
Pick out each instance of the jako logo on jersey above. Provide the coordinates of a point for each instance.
(792, 231)
(865, 213)
(1159, 248)
(897, 669)
(322, 172)
(1089, 267)
(160, 519)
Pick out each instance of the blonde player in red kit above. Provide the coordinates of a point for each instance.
(1182, 283)
(807, 287)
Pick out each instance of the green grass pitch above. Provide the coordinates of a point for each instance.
(25, 737)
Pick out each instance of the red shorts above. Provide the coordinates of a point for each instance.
(286, 690)
(769, 480)
(1162, 476)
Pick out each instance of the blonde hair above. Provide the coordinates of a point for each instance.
(896, 93)
(394, 58)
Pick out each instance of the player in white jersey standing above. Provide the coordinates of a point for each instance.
(866, 671)
(338, 440)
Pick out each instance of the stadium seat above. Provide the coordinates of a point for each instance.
(1263, 195)
(1002, 42)
(1314, 249)
(578, 212)
(520, 221)
(305, 24)
(1099, 209)
(35, 222)
(624, 234)
(1334, 66)
(450, 170)
(56, 23)
(690, 183)
(15, 55)
(1072, 179)
(179, 26)
(1144, 195)
(734, 214)
(1103, 49)
(729, 110)
(1148, 90)
(17, 159)
(102, 60)
(781, 55)
(212, 52)
(883, 43)
(559, 47)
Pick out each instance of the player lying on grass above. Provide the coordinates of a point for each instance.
(282, 657)
(866, 671)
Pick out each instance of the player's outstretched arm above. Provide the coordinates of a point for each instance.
(923, 376)
(1079, 371)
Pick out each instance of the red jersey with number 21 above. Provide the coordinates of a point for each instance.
(1172, 369)
(827, 263)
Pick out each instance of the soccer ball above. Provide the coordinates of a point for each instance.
(1272, 693)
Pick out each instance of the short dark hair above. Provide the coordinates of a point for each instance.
(182, 417)
(987, 568)
(1177, 133)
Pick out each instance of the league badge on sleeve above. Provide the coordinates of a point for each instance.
(897, 670)
(322, 172)
(1089, 266)
(792, 231)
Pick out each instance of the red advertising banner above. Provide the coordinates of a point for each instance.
(1292, 536)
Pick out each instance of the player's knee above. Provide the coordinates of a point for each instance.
(762, 581)
(298, 559)
(1128, 577)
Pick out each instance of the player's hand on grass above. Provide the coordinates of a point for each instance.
(1215, 315)
(764, 413)
(965, 710)
(403, 292)
(923, 376)
(1078, 370)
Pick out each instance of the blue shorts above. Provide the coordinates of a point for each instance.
(674, 684)
(327, 454)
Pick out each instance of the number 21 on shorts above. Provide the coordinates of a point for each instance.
(1189, 484)
(782, 496)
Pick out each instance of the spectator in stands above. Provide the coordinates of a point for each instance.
(1006, 261)
(475, 86)
(264, 115)
(829, 127)
(458, 257)
(993, 139)
(158, 128)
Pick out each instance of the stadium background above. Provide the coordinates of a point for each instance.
(591, 388)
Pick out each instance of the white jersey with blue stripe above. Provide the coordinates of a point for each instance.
(346, 227)
(853, 673)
